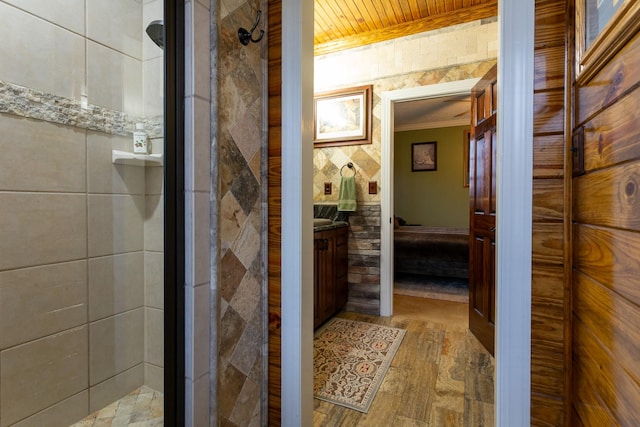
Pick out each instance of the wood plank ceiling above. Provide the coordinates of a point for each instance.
(344, 24)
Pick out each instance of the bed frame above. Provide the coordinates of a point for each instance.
(432, 251)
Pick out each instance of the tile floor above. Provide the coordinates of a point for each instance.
(140, 408)
(440, 376)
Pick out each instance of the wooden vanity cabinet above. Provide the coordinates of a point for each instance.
(329, 273)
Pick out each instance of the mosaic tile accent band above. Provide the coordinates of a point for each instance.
(34, 104)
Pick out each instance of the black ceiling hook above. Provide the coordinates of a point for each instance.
(247, 36)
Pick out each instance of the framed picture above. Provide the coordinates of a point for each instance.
(424, 156)
(466, 144)
(342, 117)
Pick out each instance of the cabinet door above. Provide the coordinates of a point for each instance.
(317, 277)
(324, 248)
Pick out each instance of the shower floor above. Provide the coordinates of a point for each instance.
(141, 407)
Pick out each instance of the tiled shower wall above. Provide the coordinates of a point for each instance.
(199, 218)
(81, 248)
(454, 53)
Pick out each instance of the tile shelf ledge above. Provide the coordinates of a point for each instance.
(126, 158)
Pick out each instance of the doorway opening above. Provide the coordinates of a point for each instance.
(516, 21)
(431, 199)
(389, 101)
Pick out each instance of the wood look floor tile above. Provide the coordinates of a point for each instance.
(478, 414)
(382, 411)
(440, 376)
(420, 392)
(451, 375)
(401, 421)
(318, 418)
(446, 417)
(395, 381)
(322, 407)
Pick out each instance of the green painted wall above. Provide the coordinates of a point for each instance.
(434, 198)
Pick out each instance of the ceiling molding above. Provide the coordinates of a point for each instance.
(433, 125)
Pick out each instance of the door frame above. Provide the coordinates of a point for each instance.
(389, 99)
(174, 214)
(515, 123)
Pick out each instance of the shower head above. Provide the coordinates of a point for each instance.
(155, 30)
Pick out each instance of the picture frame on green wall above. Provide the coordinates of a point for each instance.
(424, 156)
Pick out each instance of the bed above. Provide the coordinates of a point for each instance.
(432, 251)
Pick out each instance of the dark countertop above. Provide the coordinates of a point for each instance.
(330, 226)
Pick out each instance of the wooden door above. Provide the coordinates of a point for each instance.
(482, 222)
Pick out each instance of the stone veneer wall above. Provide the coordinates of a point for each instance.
(364, 260)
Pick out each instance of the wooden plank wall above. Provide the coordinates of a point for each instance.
(606, 230)
(274, 198)
(549, 299)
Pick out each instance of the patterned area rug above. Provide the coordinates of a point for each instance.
(350, 360)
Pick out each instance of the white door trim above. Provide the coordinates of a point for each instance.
(513, 276)
(514, 218)
(461, 87)
(296, 354)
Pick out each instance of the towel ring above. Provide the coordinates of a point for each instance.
(350, 166)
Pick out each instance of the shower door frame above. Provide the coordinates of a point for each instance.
(174, 213)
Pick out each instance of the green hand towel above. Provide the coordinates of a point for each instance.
(347, 197)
